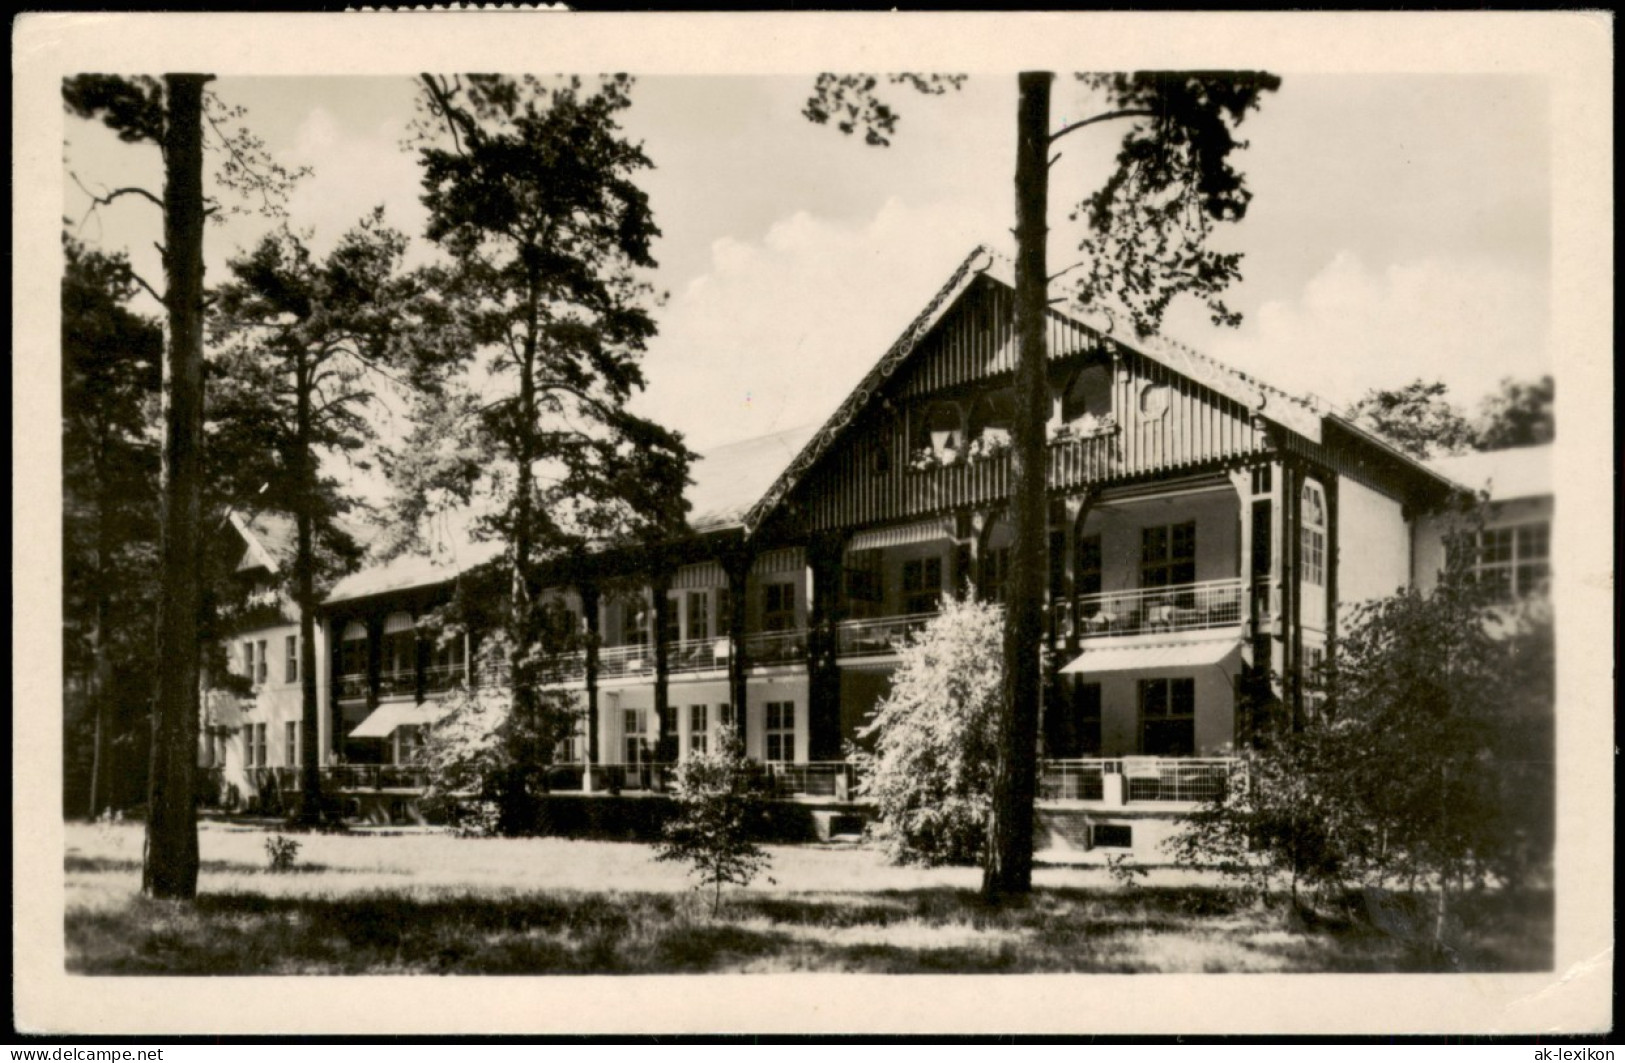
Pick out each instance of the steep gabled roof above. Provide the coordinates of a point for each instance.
(413, 570)
(1297, 414)
(268, 540)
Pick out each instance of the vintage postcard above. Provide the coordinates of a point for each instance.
(813, 523)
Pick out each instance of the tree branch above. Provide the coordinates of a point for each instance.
(1064, 272)
(1107, 117)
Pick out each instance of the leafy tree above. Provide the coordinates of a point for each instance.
(303, 345)
(930, 771)
(1429, 763)
(1150, 221)
(110, 388)
(1519, 415)
(1417, 418)
(535, 205)
(718, 813)
(170, 115)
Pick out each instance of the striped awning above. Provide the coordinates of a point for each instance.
(386, 719)
(775, 561)
(699, 577)
(1156, 657)
(924, 531)
(398, 622)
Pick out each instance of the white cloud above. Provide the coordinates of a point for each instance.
(353, 172)
(1465, 321)
(778, 330)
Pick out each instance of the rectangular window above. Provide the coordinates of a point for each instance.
(725, 715)
(1313, 543)
(632, 728)
(922, 585)
(635, 621)
(863, 575)
(699, 729)
(1086, 719)
(1515, 561)
(262, 666)
(699, 614)
(1168, 555)
(780, 731)
(259, 735)
(1168, 717)
(248, 661)
(778, 606)
(290, 664)
(290, 743)
(248, 745)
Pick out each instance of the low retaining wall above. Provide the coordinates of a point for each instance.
(1094, 834)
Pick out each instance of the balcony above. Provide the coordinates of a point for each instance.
(443, 677)
(1145, 779)
(1186, 607)
(877, 637)
(353, 687)
(401, 684)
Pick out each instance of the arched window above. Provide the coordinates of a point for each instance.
(353, 660)
(1313, 537)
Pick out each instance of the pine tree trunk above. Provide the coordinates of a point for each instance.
(310, 776)
(1009, 862)
(170, 864)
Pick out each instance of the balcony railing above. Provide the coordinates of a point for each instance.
(1185, 607)
(697, 655)
(1144, 778)
(353, 685)
(776, 647)
(442, 677)
(398, 684)
(878, 637)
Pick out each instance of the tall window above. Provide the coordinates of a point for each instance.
(259, 736)
(1515, 561)
(353, 661)
(1168, 555)
(262, 663)
(248, 745)
(635, 622)
(725, 715)
(1086, 719)
(922, 585)
(290, 743)
(290, 659)
(1168, 717)
(632, 728)
(699, 729)
(1086, 572)
(995, 573)
(248, 661)
(699, 614)
(780, 732)
(670, 631)
(1313, 538)
(400, 651)
(778, 606)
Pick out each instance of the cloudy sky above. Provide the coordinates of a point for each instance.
(1400, 226)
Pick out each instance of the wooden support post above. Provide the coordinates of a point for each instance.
(824, 557)
(736, 564)
(659, 585)
(589, 613)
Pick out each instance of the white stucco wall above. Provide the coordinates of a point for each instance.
(1373, 556)
(1432, 529)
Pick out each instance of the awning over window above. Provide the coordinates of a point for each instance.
(699, 577)
(397, 622)
(1154, 657)
(924, 531)
(387, 718)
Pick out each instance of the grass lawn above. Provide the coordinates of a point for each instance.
(427, 902)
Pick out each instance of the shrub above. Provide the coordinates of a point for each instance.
(716, 819)
(930, 772)
(282, 852)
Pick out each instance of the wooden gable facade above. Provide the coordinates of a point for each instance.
(1119, 416)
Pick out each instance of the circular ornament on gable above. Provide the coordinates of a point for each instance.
(1153, 400)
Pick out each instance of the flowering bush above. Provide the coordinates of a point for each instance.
(930, 774)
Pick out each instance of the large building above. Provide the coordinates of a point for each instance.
(1205, 529)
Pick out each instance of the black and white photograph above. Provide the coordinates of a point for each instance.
(845, 523)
